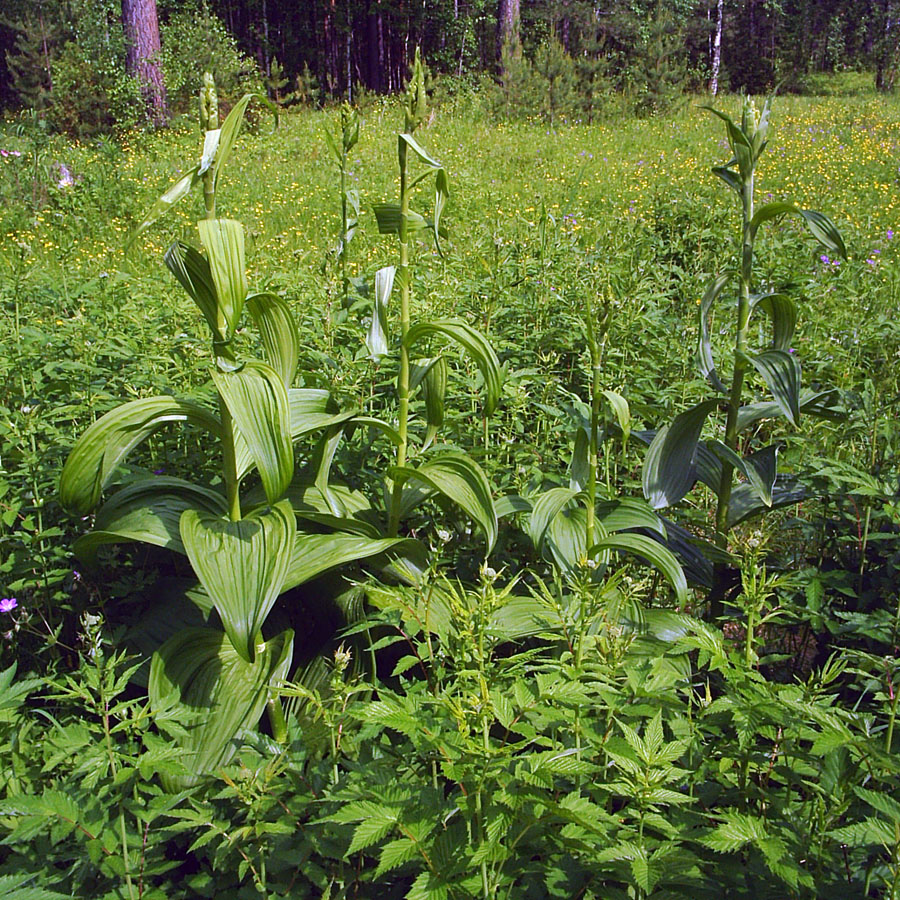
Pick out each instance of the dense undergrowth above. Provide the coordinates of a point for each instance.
(487, 724)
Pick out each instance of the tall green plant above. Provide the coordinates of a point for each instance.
(677, 457)
(243, 546)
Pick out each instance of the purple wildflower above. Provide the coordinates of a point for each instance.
(8, 604)
(825, 259)
(890, 234)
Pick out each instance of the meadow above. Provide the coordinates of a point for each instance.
(490, 668)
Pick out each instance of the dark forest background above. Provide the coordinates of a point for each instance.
(85, 65)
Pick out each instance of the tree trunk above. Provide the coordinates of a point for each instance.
(717, 49)
(508, 37)
(141, 60)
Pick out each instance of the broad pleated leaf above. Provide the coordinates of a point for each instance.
(191, 269)
(216, 692)
(732, 179)
(176, 192)
(314, 554)
(210, 146)
(746, 503)
(417, 148)
(387, 430)
(387, 216)
(510, 504)
(579, 465)
(258, 403)
(627, 513)
(321, 461)
(783, 312)
(461, 480)
(619, 405)
(278, 331)
(355, 514)
(566, 538)
(819, 225)
(474, 343)
(229, 132)
(705, 360)
(434, 389)
(148, 511)
(653, 552)
(108, 441)
(377, 340)
(819, 404)
(669, 464)
(441, 195)
(708, 466)
(241, 565)
(759, 468)
(545, 509)
(781, 372)
(224, 243)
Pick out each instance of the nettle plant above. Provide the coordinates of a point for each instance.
(677, 456)
(215, 664)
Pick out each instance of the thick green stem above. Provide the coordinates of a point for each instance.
(740, 364)
(229, 462)
(403, 378)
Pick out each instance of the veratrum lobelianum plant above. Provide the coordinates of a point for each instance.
(244, 548)
(677, 457)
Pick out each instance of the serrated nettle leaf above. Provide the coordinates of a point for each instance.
(669, 470)
(476, 346)
(278, 330)
(242, 566)
(210, 146)
(377, 340)
(176, 192)
(258, 402)
(783, 312)
(461, 480)
(148, 511)
(224, 242)
(704, 350)
(107, 442)
(191, 269)
(199, 676)
(781, 372)
(652, 552)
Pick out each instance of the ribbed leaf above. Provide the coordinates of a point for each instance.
(819, 404)
(653, 552)
(108, 441)
(258, 402)
(224, 243)
(411, 142)
(705, 360)
(819, 225)
(242, 566)
(377, 339)
(387, 215)
(783, 312)
(619, 405)
(566, 538)
(461, 480)
(148, 511)
(441, 195)
(746, 503)
(432, 374)
(278, 331)
(474, 343)
(759, 468)
(210, 146)
(579, 465)
(732, 179)
(192, 271)
(215, 691)
(627, 513)
(176, 192)
(781, 373)
(669, 469)
(230, 129)
(545, 509)
(314, 554)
